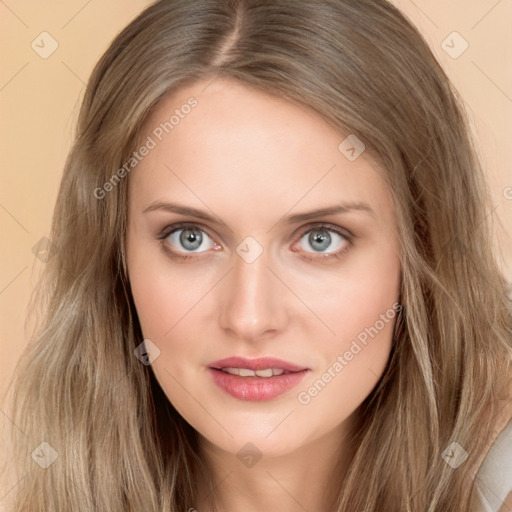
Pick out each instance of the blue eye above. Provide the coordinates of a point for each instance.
(325, 241)
(189, 239)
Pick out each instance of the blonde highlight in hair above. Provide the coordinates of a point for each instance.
(365, 69)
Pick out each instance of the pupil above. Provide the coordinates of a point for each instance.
(191, 239)
(320, 240)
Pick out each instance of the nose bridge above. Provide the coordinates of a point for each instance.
(251, 305)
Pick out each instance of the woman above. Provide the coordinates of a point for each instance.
(273, 286)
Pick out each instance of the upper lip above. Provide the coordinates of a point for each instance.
(261, 363)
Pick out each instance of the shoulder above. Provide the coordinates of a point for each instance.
(494, 477)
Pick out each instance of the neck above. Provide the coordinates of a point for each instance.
(307, 478)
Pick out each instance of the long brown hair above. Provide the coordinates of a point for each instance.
(363, 66)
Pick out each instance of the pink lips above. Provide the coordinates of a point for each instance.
(256, 388)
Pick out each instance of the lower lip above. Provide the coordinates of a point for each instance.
(256, 389)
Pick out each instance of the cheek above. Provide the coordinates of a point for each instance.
(153, 301)
(168, 299)
(360, 305)
(163, 293)
(353, 363)
(337, 391)
(164, 301)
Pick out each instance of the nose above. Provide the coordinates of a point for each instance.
(252, 301)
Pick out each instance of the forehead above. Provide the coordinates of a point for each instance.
(242, 148)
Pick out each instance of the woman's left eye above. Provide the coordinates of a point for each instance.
(324, 240)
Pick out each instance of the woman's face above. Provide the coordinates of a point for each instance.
(228, 259)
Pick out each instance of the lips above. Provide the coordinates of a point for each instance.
(239, 377)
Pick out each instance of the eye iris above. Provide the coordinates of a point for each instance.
(191, 238)
(320, 237)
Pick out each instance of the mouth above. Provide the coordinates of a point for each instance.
(256, 379)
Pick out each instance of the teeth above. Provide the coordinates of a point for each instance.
(245, 372)
(264, 373)
(233, 371)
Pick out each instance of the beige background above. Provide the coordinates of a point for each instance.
(39, 99)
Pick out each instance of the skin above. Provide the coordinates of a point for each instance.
(252, 159)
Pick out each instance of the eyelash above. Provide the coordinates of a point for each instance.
(345, 234)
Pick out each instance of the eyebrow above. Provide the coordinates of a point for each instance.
(344, 207)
